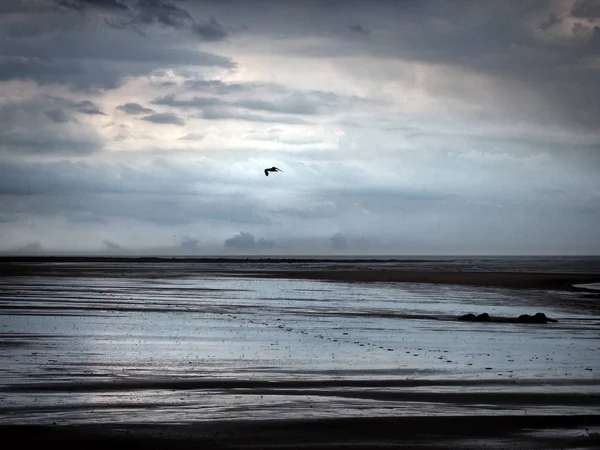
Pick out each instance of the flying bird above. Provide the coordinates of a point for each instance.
(272, 169)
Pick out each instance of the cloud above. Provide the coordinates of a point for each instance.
(161, 11)
(283, 102)
(214, 108)
(242, 241)
(189, 243)
(469, 124)
(134, 108)
(232, 114)
(359, 29)
(586, 9)
(192, 137)
(34, 248)
(81, 5)
(57, 115)
(220, 87)
(164, 118)
(53, 132)
(47, 47)
(145, 12)
(110, 245)
(89, 108)
(211, 31)
(553, 19)
(595, 40)
(288, 105)
(42, 71)
(265, 244)
(246, 241)
(338, 242)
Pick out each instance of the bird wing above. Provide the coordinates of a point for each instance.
(266, 172)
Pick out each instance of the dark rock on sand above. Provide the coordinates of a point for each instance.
(523, 318)
(468, 318)
(485, 317)
(536, 318)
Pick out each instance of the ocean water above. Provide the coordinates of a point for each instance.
(173, 342)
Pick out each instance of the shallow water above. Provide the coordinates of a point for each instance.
(204, 346)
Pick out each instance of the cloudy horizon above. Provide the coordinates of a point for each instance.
(402, 127)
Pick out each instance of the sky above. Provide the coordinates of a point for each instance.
(401, 127)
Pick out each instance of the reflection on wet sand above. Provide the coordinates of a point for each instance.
(208, 346)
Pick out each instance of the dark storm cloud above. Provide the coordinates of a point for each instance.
(67, 72)
(496, 40)
(80, 5)
(89, 108)
(12, 6)
(211, 31)
(47, 56)
(246, 241)
(164, 118)
(139, 12)
(595, 41)
(57, 115)
(44, 46)
(137, 15)
(86, 107)
(553, 19)
(189, 243)
(359, 29)
(162, 11)
(586, 9)
(39, 70)
(242, 241)
(134, 108)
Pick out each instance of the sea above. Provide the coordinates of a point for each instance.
(180, 339)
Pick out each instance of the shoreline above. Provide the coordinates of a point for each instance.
(401, 271)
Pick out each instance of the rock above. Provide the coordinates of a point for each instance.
(523, 318)
(536, 318)
(468, 317)
(484, 317)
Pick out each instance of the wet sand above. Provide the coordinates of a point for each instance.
(499, 279)
(424, 410)
(349, 433)
(360, 271)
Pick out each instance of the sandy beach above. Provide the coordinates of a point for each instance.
(280, 354)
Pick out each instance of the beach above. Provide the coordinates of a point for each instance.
(299, 353)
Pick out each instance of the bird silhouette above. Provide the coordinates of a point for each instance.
(272, 169)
